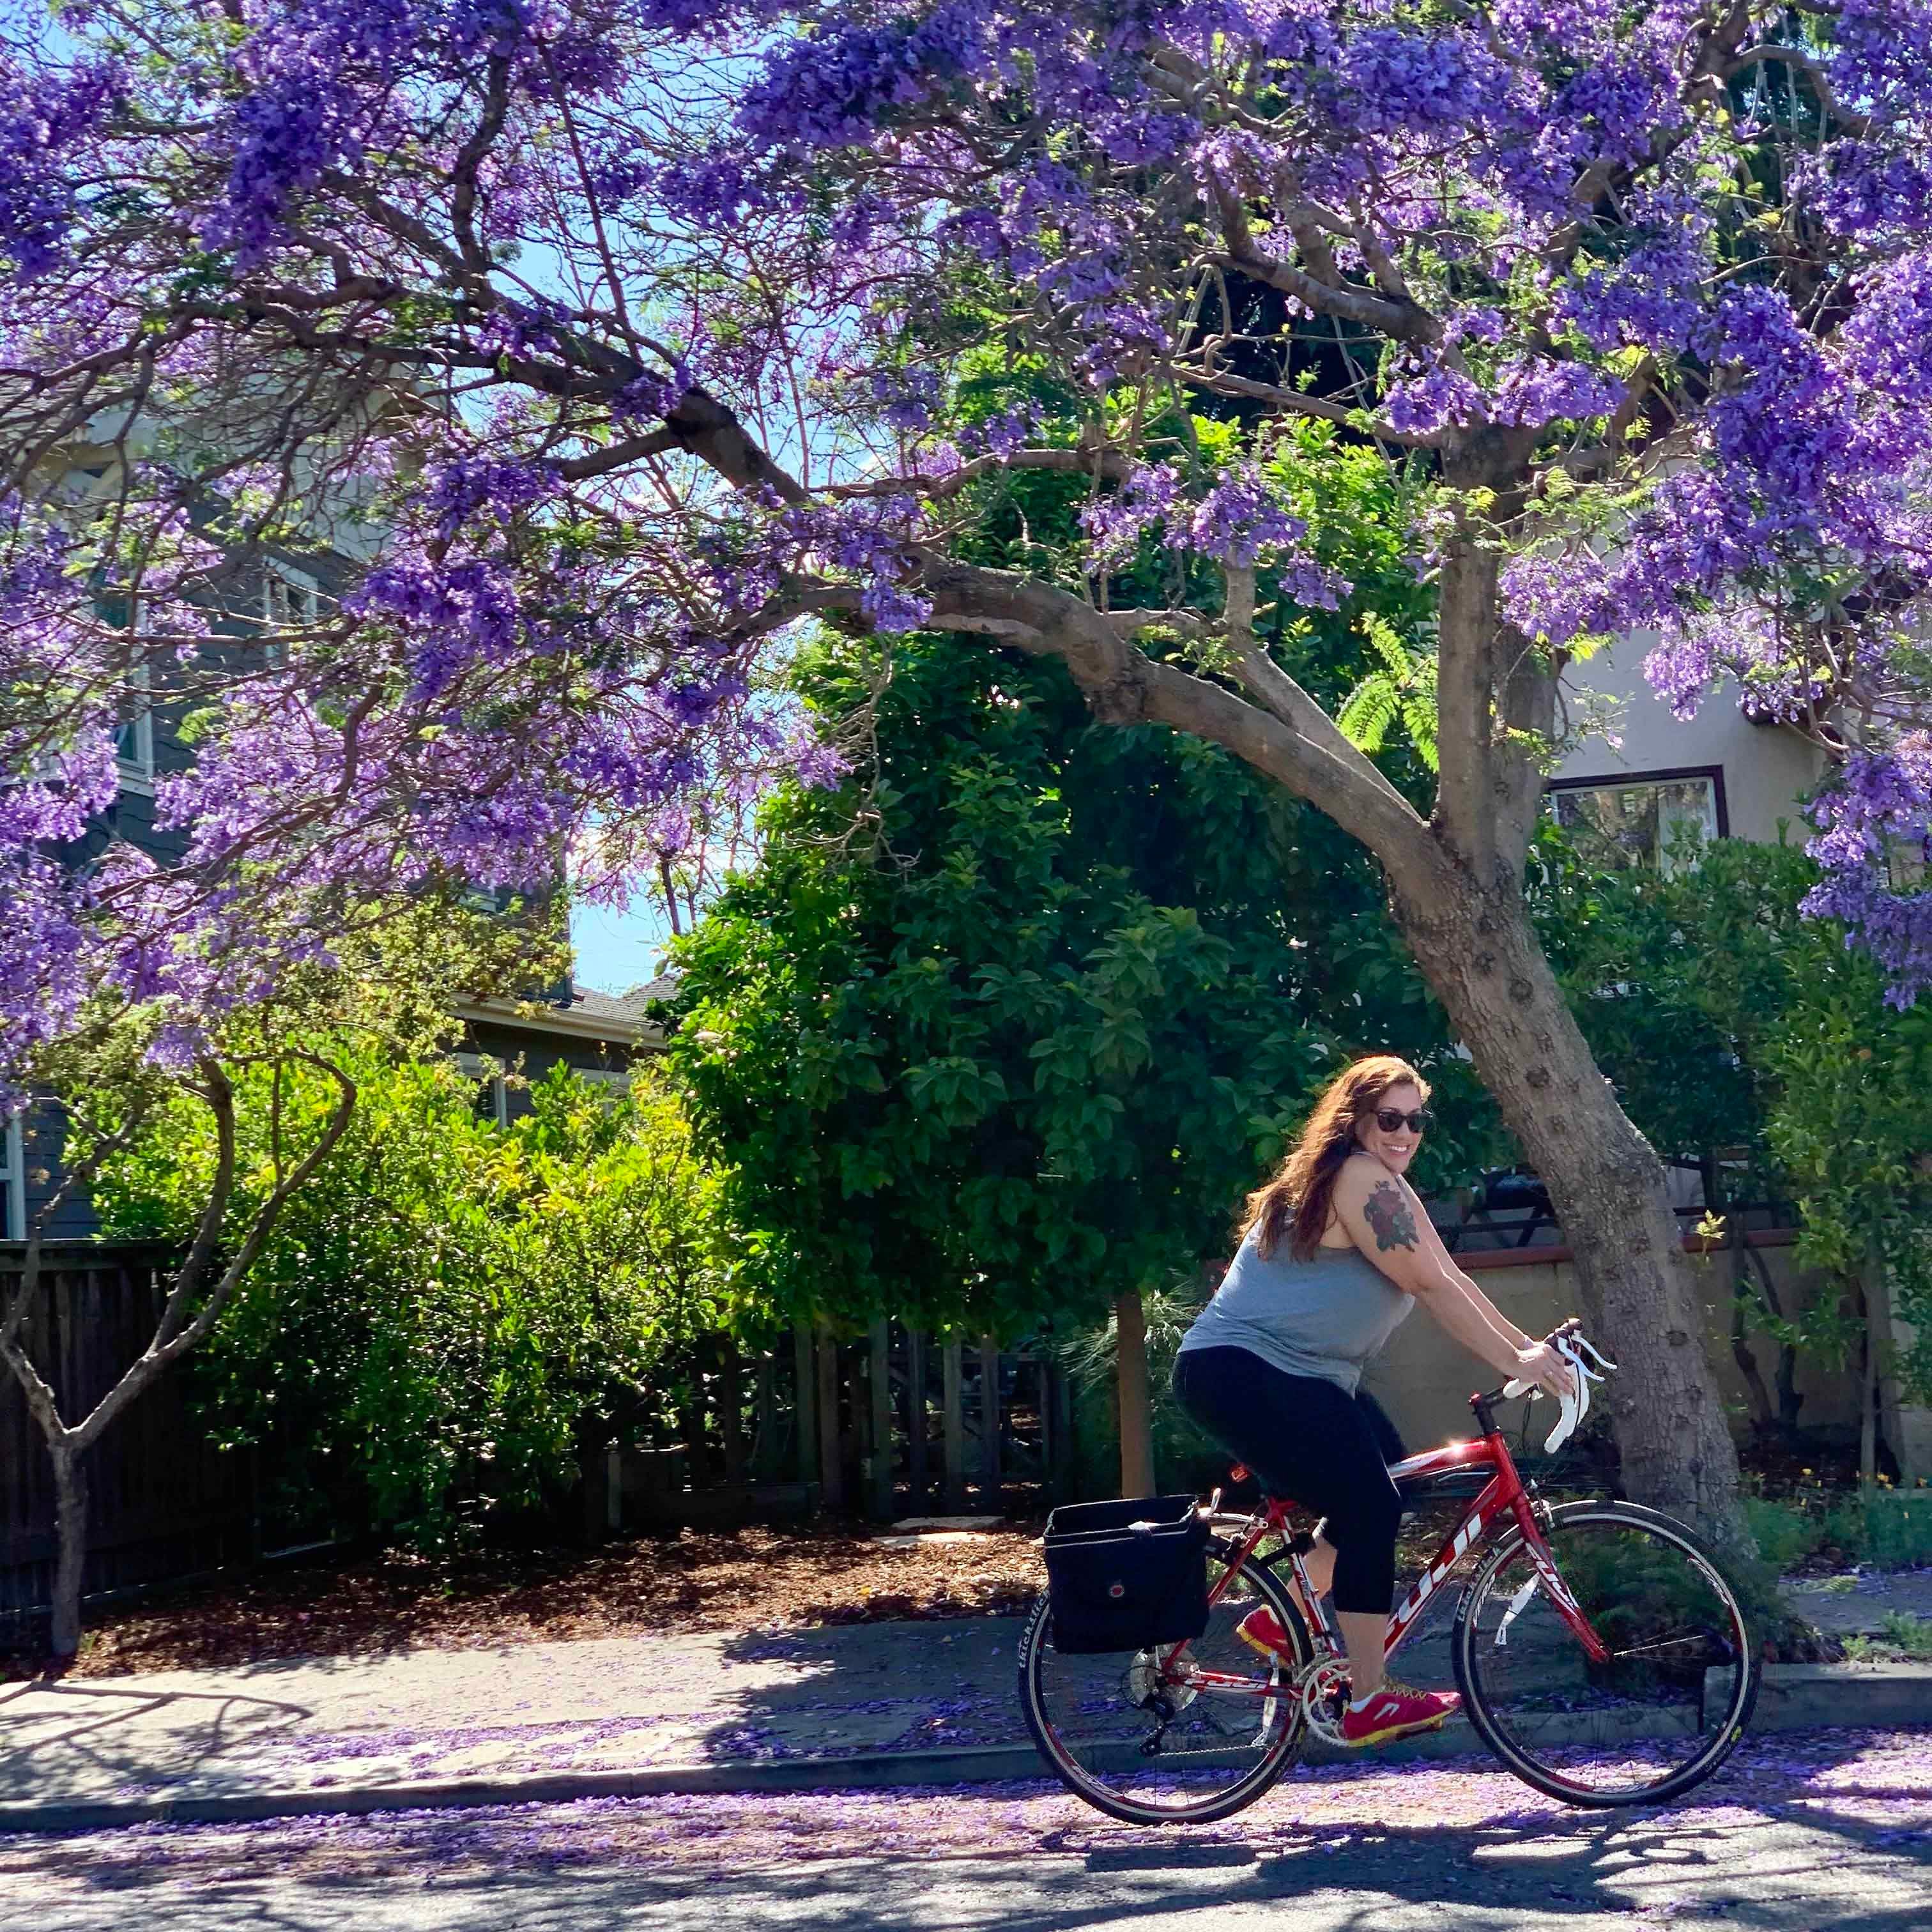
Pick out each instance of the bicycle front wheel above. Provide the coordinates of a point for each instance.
(1654, 1717)
(1174, 1735)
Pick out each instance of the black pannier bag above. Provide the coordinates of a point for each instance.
(1123, 1576)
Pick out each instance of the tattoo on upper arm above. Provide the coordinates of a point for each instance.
(1388, 1213)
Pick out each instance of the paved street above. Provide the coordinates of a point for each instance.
(1804, 1832)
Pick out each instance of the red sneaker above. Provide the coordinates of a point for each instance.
(1395, 1710)
(1260, 1630)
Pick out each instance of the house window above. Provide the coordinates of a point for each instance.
(1625, 824)
(492, 1090)
(291, 600)
(134, 735)
(134, 741)
(615, 1080)
(13, 1182)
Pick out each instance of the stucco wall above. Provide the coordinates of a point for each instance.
(1425, 1380)
(1766, 768)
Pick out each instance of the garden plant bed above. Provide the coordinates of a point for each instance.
(696, 1580)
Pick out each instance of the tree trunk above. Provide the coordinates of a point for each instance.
(1130, 1371)
(1641, 1299)
(71, 1564)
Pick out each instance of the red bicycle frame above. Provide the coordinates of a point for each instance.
(1503, 1496)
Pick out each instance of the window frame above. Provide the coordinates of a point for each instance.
(136, 768)
(470, 1065)
(298, 582)
(13, 1173)
(1633, 780)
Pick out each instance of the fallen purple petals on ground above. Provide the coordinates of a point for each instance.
(1876, 1785)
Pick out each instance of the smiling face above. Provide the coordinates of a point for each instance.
(1395, 1149)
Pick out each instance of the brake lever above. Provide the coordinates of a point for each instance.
(1577, 1405)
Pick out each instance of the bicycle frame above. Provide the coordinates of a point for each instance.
(1503, 1499)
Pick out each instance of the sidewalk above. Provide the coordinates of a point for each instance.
(924, 1703)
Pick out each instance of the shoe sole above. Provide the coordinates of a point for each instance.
(1389, 1732)
(1262, 1649)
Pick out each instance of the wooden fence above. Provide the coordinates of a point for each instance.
(900, 1423)
(165, 1503)
(896, 1422)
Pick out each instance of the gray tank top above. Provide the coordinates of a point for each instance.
(1324, 1317)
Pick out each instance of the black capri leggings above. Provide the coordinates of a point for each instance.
(1310, 1440)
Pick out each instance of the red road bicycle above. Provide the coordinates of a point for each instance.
(1600, 1653)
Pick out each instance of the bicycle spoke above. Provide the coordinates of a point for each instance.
(1654, 1715)
(1154, 1736)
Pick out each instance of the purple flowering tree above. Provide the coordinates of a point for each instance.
(599, 342)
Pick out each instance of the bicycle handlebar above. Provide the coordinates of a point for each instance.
(1567, 1339)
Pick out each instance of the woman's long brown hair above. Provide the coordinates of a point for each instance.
(1295, 1204)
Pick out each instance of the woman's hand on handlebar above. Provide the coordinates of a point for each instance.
(1547, 1370)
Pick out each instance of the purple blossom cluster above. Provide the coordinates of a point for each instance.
(45, 119)
(1874, 823)
(1240, 521)
(787, 202)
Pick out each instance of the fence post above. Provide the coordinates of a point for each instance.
(805, 1403)
(954, 1421)
(989, 1425)
(1059, 1472)
(765, 1419)
(691, 1423)
(879, 1388)
(731, 1411)
(916, 1443)
(831, 1464)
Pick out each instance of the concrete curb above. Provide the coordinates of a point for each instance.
(1794, 1697)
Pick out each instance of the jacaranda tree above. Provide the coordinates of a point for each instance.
(624, 322)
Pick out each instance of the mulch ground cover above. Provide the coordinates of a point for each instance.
(695, 1580)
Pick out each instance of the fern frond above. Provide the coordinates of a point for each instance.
(1418, 719)
(1368, 711)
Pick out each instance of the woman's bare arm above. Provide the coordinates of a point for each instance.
(1385, 1221)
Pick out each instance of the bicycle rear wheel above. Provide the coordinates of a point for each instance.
(1666, 1708)
(1154, 1741)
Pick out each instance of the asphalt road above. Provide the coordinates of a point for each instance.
(1831, 1830)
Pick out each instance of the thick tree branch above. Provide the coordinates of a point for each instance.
(1293, 741)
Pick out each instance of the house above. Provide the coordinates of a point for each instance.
(1720, 772)
(504, 1043)
(1725, 776)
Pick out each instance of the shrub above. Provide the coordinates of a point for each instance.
(450, 1311)
(1785, 1534)
(1889, 1528)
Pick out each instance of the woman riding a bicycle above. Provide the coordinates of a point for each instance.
(1335, 1252)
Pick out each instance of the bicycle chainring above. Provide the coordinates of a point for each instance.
(1324, 1691)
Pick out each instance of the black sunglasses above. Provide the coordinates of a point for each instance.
(1390, 1118)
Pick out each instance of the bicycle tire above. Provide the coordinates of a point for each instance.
(1100, 1768)
(1566, 1734)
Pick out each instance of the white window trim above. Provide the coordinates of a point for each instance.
(307, 588)
(136, 765)
(470, 1066)
(14, 1171)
